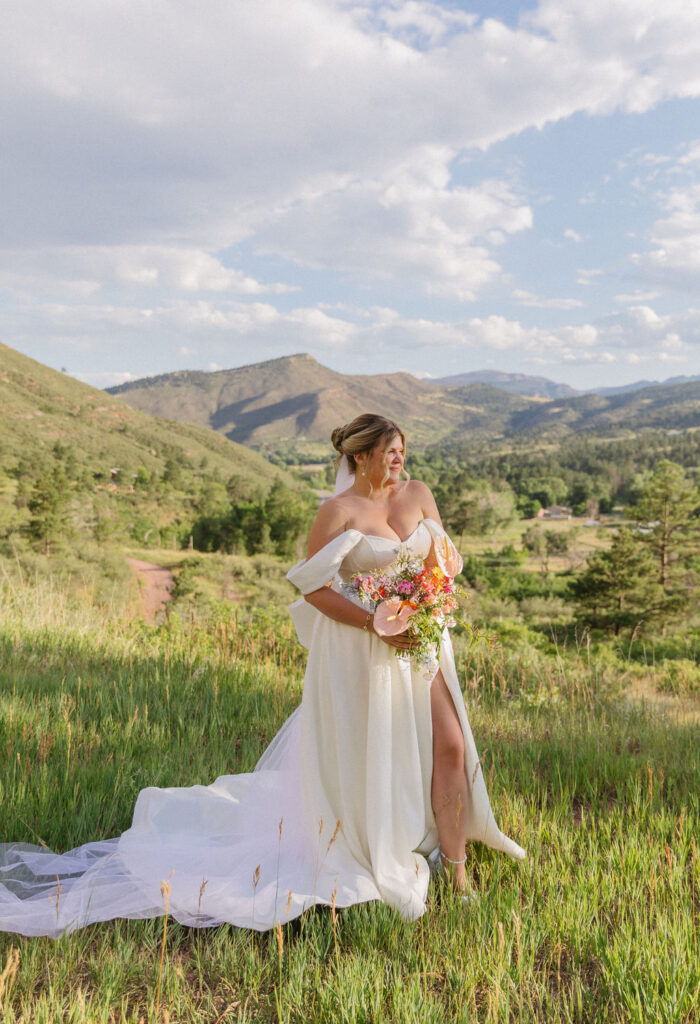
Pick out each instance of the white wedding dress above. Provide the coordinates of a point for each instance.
(337, 810)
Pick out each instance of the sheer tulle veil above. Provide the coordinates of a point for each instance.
(345, 477)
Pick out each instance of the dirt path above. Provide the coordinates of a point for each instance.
(156, 585)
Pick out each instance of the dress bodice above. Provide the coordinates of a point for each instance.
(352, 551)
(372, 552)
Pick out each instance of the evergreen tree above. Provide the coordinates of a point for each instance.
(619, 588)
(48, 507)
(668, 510)
(288, 516)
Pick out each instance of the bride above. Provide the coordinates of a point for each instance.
(374, 772)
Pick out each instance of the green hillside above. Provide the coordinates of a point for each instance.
(41, 407)
(82, 476)
(662, 406)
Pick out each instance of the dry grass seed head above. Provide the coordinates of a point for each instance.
(334, 836)
(7, 978)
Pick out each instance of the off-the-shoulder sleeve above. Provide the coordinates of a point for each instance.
(312, 574)
(448, 557)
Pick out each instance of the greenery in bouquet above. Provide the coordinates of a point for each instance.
(412, 598)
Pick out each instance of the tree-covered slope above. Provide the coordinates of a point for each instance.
(662, 406)
(40, 407)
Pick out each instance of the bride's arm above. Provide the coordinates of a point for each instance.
(339, 608)
(330, 523)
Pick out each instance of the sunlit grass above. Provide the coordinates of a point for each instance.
(599, 924)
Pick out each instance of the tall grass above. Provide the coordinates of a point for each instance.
(599, 924)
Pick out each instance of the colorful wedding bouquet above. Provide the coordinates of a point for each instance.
(414, 599)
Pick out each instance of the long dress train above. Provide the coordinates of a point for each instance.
(337, 810)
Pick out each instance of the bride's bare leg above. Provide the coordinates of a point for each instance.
(449, 784)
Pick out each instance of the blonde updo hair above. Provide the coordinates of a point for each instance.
(363, 434)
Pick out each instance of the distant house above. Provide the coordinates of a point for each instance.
(555, 512)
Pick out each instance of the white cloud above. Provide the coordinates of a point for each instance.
(146, 148)
(691, 157)
(415, 22)
(589, 276)
(199, 126)
(408, 224)
(674, 260)
(83, 270)
(526, 298)
(230, 332)
(645, 316)
(638, 296)
(642, 51)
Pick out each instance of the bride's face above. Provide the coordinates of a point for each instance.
(386, 458)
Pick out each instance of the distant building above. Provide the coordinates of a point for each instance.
(555, 512)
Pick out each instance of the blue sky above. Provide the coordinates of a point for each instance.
(405, 184)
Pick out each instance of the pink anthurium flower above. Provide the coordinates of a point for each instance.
(449, 559)
(391, 617)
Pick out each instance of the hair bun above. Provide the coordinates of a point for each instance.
(337, 437)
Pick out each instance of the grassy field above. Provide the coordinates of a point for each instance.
(600, 923)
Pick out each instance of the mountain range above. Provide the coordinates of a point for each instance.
(515, 383)
(296, 398)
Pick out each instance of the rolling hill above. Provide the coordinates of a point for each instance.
(661, 406)
(41, 406)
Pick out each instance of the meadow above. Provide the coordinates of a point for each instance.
(601, 788)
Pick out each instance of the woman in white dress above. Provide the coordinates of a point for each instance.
(400, 771)
(376, 769)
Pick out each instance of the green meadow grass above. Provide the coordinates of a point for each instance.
(599, 924)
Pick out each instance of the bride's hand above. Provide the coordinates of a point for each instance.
(402, 641)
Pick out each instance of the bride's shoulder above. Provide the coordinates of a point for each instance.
(331, 520)
(418, 488)
(423, 496)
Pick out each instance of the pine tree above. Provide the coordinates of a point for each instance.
(619, 588)
(288, 516)
(48, 507)
(668, 510)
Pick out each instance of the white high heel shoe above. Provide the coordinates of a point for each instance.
(437, 870)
